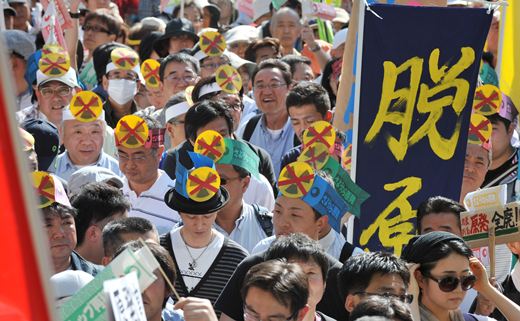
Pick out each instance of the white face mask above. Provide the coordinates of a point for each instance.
(122, 90)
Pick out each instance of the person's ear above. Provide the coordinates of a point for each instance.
(92, 233)
(421, 280)
(105, 260)
(302, 313)
(350, 303)
(322, 222)
(328, 116)
(245, 183)
(511, 129)
(104, 82)
(169, 129)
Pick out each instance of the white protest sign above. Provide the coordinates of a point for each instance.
(476, 224)
(125, 298)
(89, 304)
(486, 198)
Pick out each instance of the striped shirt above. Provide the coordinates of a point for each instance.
(216, 278)
(150, 204)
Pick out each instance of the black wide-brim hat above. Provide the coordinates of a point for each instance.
(182, 204)
(175, 28)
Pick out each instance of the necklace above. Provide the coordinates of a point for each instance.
(193, 265)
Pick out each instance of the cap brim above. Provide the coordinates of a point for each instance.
(181, 204)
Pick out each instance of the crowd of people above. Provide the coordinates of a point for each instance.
(193, 127)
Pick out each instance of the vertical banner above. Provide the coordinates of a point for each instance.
(417, 81)
(509, 51)
(26, 265)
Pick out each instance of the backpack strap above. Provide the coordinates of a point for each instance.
(264, 217)
(250, 127)
(346, 252)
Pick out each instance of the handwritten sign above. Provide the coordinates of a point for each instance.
(475, 224)
(415, 100)
(90, 303)
(125, 298)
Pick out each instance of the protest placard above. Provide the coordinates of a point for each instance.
(89, 304)
(125, 298)
(485, 198)
(476, 224)
(412, 117)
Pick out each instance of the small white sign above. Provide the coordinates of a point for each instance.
(125, 298)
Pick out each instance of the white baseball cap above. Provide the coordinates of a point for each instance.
(69, 78)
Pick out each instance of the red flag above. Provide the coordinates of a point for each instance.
(22, 294)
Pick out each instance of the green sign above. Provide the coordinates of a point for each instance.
(343, 184)
(240, 154)
(90, 303)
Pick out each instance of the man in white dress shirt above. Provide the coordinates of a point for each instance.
(140, 144)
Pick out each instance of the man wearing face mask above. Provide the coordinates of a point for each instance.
(117, 69)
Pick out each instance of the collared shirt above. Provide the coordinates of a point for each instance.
(247, 231)
(276, 144)
(150, 204)
(333, 243)
(110, 116)
(63, 166)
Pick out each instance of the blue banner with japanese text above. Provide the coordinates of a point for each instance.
(418, 76)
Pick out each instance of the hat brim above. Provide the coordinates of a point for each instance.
(161, 45)
(181, 204)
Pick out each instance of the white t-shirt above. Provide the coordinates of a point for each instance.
(193, 267)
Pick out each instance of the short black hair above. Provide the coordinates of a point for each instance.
(96, 202)
(294, 60)
(438, 204)
(273, 63)
(496, 118)
(388, 307)
(358, 271)
(59, 210)
(161, 255)
(112, 232)
(285, 281)
(300, 247)
(204, 112)
(308, 93)
(182, 58)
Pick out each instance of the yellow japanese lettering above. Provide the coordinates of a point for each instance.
(395, 232)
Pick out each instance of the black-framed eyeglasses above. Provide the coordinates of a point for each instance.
(450, 283)
(95, 28)
(251, 316)
(405, 298)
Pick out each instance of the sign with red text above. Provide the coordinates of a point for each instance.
(475, 224)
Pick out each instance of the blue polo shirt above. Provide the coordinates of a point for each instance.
(64, 168)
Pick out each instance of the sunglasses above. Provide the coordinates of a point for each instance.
(450, 283)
